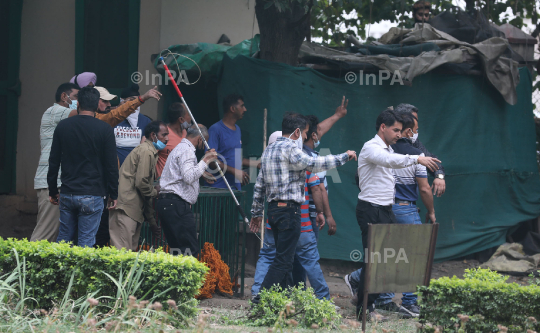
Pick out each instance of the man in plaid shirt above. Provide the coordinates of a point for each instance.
(282, 181)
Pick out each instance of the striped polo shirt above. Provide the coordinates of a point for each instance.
(406, 184)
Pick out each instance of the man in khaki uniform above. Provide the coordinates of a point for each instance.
(136, 190)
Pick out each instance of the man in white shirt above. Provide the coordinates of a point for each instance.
(377, 183)
(179, 184)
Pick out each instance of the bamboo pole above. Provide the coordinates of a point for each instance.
(263, 222)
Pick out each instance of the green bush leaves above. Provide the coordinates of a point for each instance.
(50, 267)
(293, 307)
(485, 297)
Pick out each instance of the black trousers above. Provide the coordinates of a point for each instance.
(284, 219)
(178, 223)
(368, 213)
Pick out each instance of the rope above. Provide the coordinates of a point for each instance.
(169, 52)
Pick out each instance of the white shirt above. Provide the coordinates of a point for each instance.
(375, 164)
(182, 172)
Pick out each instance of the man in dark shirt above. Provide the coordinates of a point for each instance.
(439, 184)
(86, 149)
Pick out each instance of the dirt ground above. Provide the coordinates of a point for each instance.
(334, 271)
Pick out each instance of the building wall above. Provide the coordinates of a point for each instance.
(149, 32)
(47, 59)
(48, 56)
(184, 22)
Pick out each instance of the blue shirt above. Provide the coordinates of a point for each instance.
(127, 137)
(406, 184)
(228, 145)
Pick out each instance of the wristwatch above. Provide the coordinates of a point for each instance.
(440, 176)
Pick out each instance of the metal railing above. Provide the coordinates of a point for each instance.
(219, 223)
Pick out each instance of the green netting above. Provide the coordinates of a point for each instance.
(487, 146)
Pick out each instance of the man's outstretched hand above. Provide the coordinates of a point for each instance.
(341, 110)
(352, 155)
(152, 93)
(429, 162)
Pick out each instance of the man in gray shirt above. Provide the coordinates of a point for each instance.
(179, 184)
(48, 218)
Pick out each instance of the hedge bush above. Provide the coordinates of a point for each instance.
(293, 307)
(49, 267)
(484, 298)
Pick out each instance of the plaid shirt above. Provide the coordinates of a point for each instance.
(283, 173)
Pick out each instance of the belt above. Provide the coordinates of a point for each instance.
(284, 203)
(405, 202)
(170, 196)
(378, 206)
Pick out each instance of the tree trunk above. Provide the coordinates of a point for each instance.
(282, 33)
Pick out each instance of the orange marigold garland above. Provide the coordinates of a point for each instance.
(218, 276)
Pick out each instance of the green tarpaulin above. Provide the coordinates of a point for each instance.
(487, 146)
(207, 57)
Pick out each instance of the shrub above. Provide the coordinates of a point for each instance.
(484, 299)
(122, 313)
(294, 307)
(50, 266)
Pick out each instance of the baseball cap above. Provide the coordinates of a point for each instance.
(104, 94)
(274, 137)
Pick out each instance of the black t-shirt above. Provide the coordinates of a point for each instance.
(86, 150)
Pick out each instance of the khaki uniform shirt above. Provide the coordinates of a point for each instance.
(136, 183)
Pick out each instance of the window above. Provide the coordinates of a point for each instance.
(107, 40)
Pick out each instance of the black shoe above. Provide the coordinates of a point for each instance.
(390, 307)
(255, 300)
(409, 311)
(354, 291)
(349, 284)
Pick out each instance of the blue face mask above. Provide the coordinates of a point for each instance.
(159, 145)
(73, 105)
(317, 143)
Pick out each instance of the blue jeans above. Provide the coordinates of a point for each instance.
(404, 215)
(407, 214)
(284, 219)
(306, 254)
(383, 298)
(79, 218)
(298, 272)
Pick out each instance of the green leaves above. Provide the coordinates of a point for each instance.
(334, 20)
(292, 307)
(485, 297)
(50, 268)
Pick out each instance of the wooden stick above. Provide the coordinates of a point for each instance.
(263, 222)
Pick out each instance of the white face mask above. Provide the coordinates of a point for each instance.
(299, 141)
(414, 137)
(133, 119)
